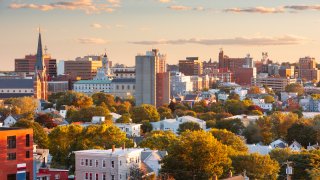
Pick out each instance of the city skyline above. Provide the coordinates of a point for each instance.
(285, 29)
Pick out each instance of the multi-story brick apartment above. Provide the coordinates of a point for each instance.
(16, 154)
(112, 164)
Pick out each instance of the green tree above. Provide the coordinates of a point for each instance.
(265, 128)
(191, 126)
(302, 133)
(230, 139)
(257, 166)
(211, 124)
(124, 107)
(234, 125)
(304, 165)
(268, 99)
(125, 118)
(295, 87)
(146, 126)
(190, 113)
(252, 133)
(281, 155)
(235, 107)
(159, 140)
(145, 112)
(197, 154)
(71, 98)
(234, 96)
(86, 114)
(40, 137)
(207, 116)
(164, 112)
(100, 97)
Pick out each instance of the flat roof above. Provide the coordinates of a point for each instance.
(11, 128)
(117, 151)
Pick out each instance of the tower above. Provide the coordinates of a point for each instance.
(40, 76)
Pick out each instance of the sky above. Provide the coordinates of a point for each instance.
(286, 29)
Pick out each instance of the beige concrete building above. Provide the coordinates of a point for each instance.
(83, 68)
(277, 84)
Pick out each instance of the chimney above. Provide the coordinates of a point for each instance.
(123, 146)
(113, 148)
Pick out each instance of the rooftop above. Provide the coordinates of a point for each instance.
(10, 128)
(117, 151)
(92, 82)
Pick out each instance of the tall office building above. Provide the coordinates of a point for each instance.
(152, 80)
(85, 68)
(308, 69)
(26, 65)
(192, 66)
(225, 62)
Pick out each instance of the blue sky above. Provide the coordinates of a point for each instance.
(179, 28)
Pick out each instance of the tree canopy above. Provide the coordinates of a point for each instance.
(145, 112)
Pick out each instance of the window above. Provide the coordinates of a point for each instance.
(11, 142)
(97, 176)
(28, 140)
(103, 163)
(57, 176)
(86, 177)
(120, 163)
(112, 177)
(82, 162)
(117, 87)
(128, 87)
(112, 164)
(11, 176)
(11, 156)
(122, 87)
(90, 176)
(27, 154)
(104, 177)
(97, 163)
(90, 162)
(87, 162)
(120, 176)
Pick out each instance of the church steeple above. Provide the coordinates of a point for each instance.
(39, 62)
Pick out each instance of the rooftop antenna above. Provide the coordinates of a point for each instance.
(45, 49)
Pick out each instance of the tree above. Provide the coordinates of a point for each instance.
(268, 99)
(125, 118)
(252, 133)
(234, 125)
(124, 107)
(198, 109)
(295, 87)
(71, 98)
(265, 128)
(234, 96)
(257, 166)
(100, 97)
(211, 124)
(40, 137)
(302, 133)
(230, 139)
(254, 90)
(190, 113)
(86, 114)
(235, 107)
(136, 173)
(146, 126)
(281, 155)
(217, 107)
(159, 140)
(281, 123)
(191, 126)
(145, 112)
(46, 120)
(164, 112)
(304, 165)
(196, 154)
(207, 116)
(23, 106)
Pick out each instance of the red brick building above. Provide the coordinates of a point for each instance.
(163, 88)
(232, 64)
(243, 76)
(16, 154)
(49, 173)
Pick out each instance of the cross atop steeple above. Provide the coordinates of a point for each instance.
(39, 61)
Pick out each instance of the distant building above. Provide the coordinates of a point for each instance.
(16, 153)
(58, 86)
(232, 64)
(131, 129)
(83, 68)
(121, 71)
(243, 75)
(285, 71)
(308, 69)
(123, 87)
(27, 64)
(12, 88)
(180, 84)
(192, 66)
(152, 78)
(277, 84)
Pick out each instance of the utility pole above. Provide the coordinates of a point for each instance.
(289, 169)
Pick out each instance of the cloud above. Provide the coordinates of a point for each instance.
(186, 8)
(164, 1)
(303, 7)
(88, 6)
(262, 10)
(96, 25)
(259, 40)
(91, 41)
